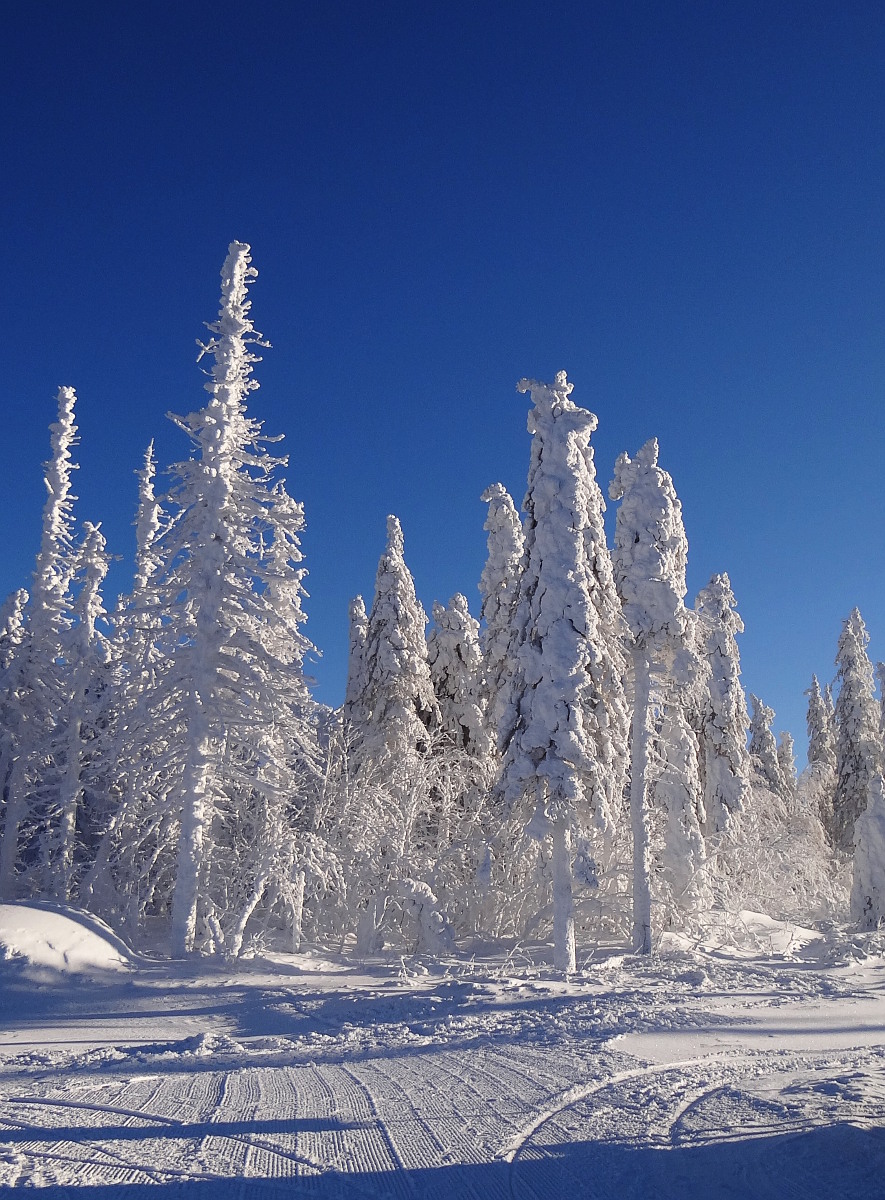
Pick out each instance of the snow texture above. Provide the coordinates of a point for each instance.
(748, 1066)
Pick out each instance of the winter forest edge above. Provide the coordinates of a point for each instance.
(579, 764)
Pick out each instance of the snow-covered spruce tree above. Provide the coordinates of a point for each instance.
(353, 709)
(499, 587)
(786, 758)
(12, 635)
(35, 677)
(73, 743)
(127, 753)
(764, 759)
(398, 715)
(650, 556)
(564, 729)
(456, 671)
(818, 780)
(880, 680)
(398, 698)
(229, 714)
(858, 740)
(724, 721)
(868, 882)
(821, 742)
(677, 796)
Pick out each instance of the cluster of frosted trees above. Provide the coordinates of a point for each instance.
(574, 765)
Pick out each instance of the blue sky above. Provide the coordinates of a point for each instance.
(679, 203)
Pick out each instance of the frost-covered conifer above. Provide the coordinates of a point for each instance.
(229, 713)
(858, 741)
(650, 556)
(353, 707)
(818, 780)
(456, 670)
(763, 749)
(36, 677)
(12, 634)
(868, 882)
(74, 741)
(880, 680)
(821, 743)
(399, 701)
(498, 587)
(724, 720)
(564, 729)
(786, 760)
(677, 790)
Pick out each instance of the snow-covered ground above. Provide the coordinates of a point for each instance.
(755, 1070)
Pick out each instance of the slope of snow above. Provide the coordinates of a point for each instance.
(59, 938)
(697, 1074)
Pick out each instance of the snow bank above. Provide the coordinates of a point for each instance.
(61, 939)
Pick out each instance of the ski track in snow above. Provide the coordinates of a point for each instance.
(342, 1080)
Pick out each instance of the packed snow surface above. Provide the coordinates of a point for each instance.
(751, 1067)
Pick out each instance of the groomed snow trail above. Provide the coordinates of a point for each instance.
(690, 1076)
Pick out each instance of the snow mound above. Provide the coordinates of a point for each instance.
(61, 939)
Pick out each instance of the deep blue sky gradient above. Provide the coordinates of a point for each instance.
(680, 203)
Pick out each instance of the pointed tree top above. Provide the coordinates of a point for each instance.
(395, 544)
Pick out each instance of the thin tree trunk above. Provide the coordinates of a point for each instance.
(563, 902)
(298, 911)
(638, 812)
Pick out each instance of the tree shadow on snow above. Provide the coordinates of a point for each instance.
(836, 1162)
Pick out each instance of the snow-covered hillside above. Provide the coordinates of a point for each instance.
(753, 1070)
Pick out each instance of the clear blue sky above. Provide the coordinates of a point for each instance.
(680, 203)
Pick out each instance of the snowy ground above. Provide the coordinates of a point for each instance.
(699, 1074)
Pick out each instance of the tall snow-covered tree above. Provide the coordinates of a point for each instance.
(230, 711)
(868, 881)
(499, 587)
(35, 679)
(399, 701)
(763, 749)
(858, 740)
(818, 780)
(786, 759)
(355, 690)
(821, 743)
(678, 792)
(86, 655)
(564, 729)
(456, 670)
(724, 720)
(650, 556)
